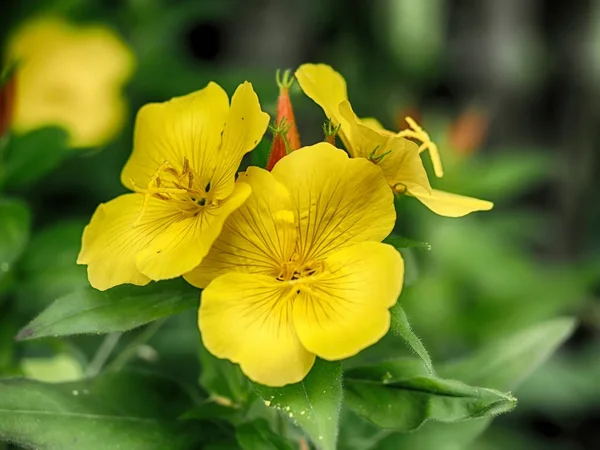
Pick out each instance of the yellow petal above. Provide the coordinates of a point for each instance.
(452, 205)
(184, 127)
(257, 238)
(247, 319)
(70, 76)
(327, 88)
(374, 124)
(403, 167)
(363, 140)
(338, 201)
(245, 127)
(345, 309)
(184, 244)
(110, 242)
(396, 156)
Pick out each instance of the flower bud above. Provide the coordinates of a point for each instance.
(7, 100)
(285, 132)
(280, 145)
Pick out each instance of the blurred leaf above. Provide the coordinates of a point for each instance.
(8, 328)
(121, 308)
(401, 327)
(33, 155)
(357, 433)
(396, 395)
(401, 242)
(257, 435)
(14, 232)
(58, 368)
(506, 363)
(508, 173)
(48, 266)
(412, 33)
(211, 410)
(314, 403)
(223, 378)
(412, 271)
(113, 411)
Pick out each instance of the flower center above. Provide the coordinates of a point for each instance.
(294, 270)
(180, 188)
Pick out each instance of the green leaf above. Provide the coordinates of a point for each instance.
(314, 403)
(124, 410)
(257, 435)
(119, 309)
(33, 155)
(211, 410)
(505, 363)
(48, 266)
(397, 395)
(14, 232)
(401, 327)
(401, 242)
(222, 378)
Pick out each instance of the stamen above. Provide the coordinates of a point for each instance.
(418, 133)
(292, 271)
(182, 194)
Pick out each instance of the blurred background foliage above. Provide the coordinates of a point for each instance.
(507, 89)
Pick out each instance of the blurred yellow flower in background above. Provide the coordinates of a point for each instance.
(394, 153)
(186, 153)
(70, 76)
(299, 270)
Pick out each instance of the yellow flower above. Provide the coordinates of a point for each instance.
(299, 269)
(182, 170)
(398, 157)
(71, 77)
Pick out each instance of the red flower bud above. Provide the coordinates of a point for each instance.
(285, 135)
(280, 145)
(7, 100)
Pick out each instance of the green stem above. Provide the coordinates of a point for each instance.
(103, 353)
(130, 350)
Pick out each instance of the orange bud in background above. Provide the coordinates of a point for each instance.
(285, 110)
(280, 145)
(468, 131)
(285, 134)
(401, 114)
(7, 100)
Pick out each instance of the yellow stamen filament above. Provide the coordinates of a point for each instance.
(419, 134)
(295, 270)
(183, 195)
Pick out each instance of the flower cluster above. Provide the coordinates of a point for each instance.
(290, 259)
